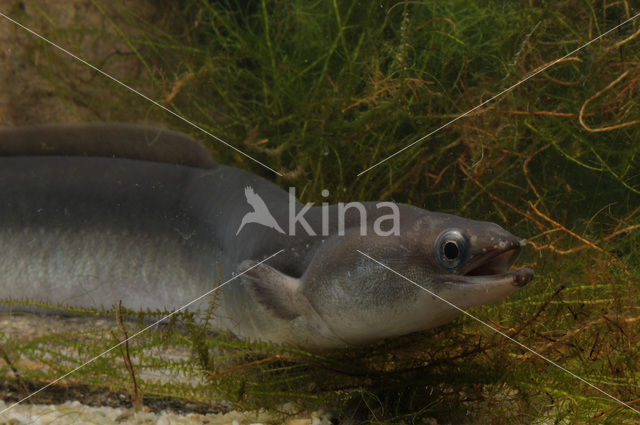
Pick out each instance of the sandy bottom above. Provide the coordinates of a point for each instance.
(77, 413)
(74, 404)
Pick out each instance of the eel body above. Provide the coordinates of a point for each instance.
(94, 215)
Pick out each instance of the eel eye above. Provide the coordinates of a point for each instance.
(451, 249)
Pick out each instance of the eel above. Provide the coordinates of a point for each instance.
(94, 215)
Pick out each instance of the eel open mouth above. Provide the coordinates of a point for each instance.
(495, 266)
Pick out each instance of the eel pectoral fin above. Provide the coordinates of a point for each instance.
(278, 293)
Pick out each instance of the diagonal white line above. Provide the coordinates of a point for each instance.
(501, 333)
(499, 94)
(135, 335)
(145, 97)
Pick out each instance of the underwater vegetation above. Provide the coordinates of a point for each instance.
(321, 91)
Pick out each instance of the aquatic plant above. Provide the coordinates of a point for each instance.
(323, 90)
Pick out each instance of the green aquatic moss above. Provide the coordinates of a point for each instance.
(321, 91)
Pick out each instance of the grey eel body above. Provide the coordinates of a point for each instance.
(94, 215)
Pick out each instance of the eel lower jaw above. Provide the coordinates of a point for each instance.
(517, 278)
